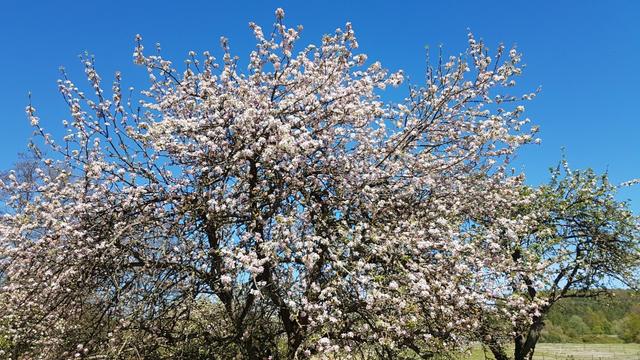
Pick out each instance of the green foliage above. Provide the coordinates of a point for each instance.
(602, 339)
(630, 325)
(576, 327)
(554, 334)
(596, 322)
(609, 319)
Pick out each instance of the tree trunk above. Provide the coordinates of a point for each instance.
(498, 351)
(525, 346)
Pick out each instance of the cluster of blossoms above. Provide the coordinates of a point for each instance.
(284, 211)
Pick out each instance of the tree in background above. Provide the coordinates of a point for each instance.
(630, 326)
(585, 243)
(277, 212)
(24, 171)
(604, 315)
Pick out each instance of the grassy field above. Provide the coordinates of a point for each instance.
(575, 352)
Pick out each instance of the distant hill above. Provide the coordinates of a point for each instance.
(609, 319)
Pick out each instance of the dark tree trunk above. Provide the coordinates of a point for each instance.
(498, 351)
(526, 345)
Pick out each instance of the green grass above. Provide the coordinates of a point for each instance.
(574, 352)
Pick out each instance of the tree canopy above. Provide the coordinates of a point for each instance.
(287, 210)
(584, 244)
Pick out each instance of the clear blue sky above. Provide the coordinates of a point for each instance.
(584, 54)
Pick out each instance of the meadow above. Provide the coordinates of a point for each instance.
(549, 351)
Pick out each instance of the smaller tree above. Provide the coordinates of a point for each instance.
(583, 244)
(630, 326)
(597, 322)
(576, 327)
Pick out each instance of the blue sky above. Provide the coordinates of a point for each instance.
(584, 54)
